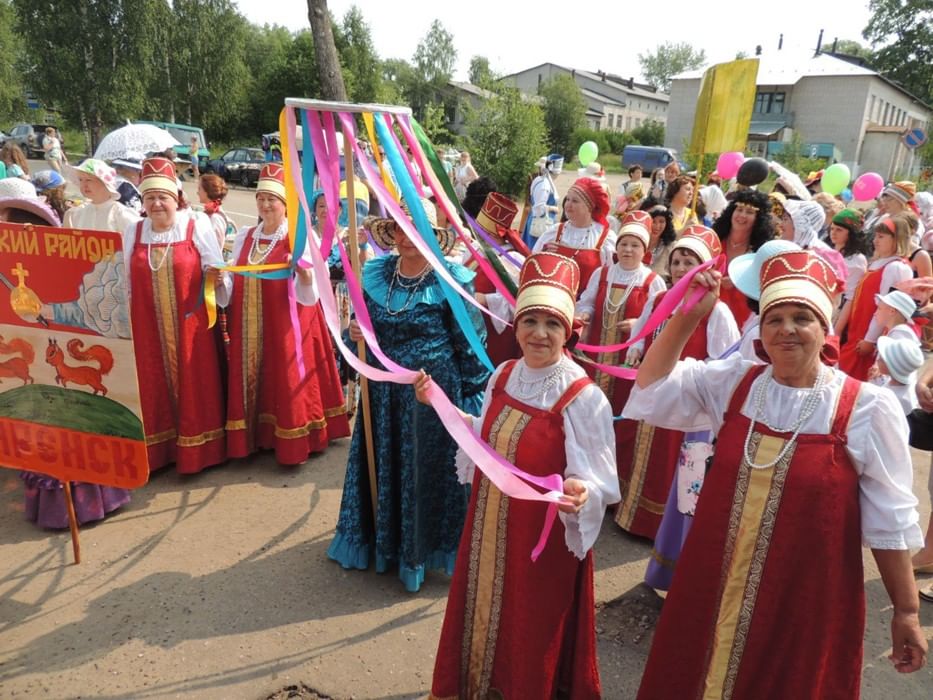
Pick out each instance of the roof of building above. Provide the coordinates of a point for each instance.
(629, 86)
(789, 66)
(593, 94)
(471, 88)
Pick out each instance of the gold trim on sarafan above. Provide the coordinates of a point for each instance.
(631, 489)
(251, 354)
(486, 569)
(165, 310)
(751, 526)
(609, 336)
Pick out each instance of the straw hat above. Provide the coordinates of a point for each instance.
(383, 230)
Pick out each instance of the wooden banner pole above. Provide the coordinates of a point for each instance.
(72, 522)
(360, 345)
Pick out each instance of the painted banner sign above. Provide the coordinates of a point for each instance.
(69, 400)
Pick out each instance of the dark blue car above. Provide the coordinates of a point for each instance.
(240, 165)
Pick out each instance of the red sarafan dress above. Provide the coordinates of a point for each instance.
(589, 260)
(768, 598)
(516, 628)
(863, 308)
(499, 346)
(603, 330)
(648, 461)
(176, 357)
(269, 405)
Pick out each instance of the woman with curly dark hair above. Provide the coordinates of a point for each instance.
(662, 237)
(743, 227)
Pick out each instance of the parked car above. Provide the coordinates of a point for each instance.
(29, 137)
(239, 165)
(648, 157)
(3, 137)
(183, 134)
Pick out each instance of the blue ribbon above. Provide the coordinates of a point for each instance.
(410, 195)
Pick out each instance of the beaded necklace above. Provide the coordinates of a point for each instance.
(267, 251)
(529, 389)
(410, 284)
(810, 404)
(610, 309)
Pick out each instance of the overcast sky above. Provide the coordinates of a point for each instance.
(608, 36)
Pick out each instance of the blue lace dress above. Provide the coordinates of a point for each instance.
(421, 504)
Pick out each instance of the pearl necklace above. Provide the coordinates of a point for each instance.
(810, 404)
(160, 239)
(267, 251)
(410, 284)
(530, 389)
(627, 278)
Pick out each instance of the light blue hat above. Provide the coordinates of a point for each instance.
(745, 270)
(46, 180)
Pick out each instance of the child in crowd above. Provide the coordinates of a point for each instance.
(100, 211)
(895, 315)
(898, 362)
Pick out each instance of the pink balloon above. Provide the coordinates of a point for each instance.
(728, 164)
(867, 186)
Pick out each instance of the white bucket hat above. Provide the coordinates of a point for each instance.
(899, 301)
(903, 358)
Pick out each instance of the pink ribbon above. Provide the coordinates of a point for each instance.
(411, 171)
(508, 478)
(403, 220)
(662, 313)
(665, 309)
(451, 212)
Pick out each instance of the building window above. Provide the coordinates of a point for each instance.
(539, 81)
(769, 102)
(871, 108)
(637, 122)
(618, 121)
(884, 114)
(628, 123)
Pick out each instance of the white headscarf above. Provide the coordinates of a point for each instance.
(808, 218)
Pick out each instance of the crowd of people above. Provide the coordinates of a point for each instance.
(734, 374)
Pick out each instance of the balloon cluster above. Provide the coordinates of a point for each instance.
(835, 179)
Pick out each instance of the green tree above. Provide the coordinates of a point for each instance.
(853, 48)
(650, 133)
(901, 31)
(435, 56)
(211, 87)
(361, 70)
(12, 94)
(480, 73)
(564, 111)
(399, 80)
(661, 65)
(506, 137)
(87, 59)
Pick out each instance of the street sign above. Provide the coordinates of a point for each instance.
(914, 138)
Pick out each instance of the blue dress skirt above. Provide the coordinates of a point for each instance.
(421, 504)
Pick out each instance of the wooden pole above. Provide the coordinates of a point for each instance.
(72, 522)
(360, 345)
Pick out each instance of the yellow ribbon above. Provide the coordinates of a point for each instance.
(291, 195)
(371, 130)
(210, 296)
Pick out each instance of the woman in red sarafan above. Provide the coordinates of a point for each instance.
(517, 628)
(810, 463)
(270, 405)
(167, 255)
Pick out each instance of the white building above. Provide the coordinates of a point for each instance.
(613, 103)
(841, 110)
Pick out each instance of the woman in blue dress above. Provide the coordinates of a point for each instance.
(421, 504)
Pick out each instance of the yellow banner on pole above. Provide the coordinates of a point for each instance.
(724, 107)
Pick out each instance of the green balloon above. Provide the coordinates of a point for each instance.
(588, 152)
(835, 179)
